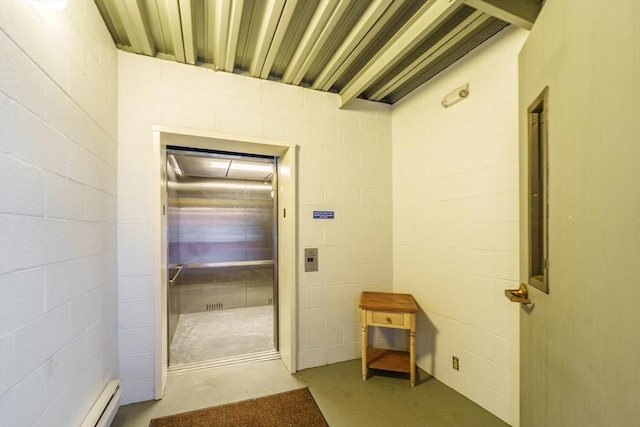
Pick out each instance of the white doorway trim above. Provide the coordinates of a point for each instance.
(287, 234)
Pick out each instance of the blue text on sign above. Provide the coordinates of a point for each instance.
(323, 215)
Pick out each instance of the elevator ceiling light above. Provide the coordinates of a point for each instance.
(246, 166)
(218, 164)
(207, 166)
(249, 170)
(202, 166)
(207, 187)
(55, 4)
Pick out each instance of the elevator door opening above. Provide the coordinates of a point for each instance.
(221, 253)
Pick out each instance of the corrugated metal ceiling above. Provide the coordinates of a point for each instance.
(379, 50)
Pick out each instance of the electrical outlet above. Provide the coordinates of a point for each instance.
(456, 363)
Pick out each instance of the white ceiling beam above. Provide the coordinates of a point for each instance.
(136, 26)
(270, 20)
(358, 33)
(175, 28)
(108, 11)
(209, 32)
(158, 20)
(316, 47)
(427, 19)
(235, 16)
(222, 8)
(363, 44)
(188, 31)
(316, 26)
(435, 52)
(521, 13)
(278, 37)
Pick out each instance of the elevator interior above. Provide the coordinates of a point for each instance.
(221, 247)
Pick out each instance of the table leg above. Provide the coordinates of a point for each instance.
(412, 356)
(365, 342)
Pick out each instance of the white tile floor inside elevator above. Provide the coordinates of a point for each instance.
(225, 334)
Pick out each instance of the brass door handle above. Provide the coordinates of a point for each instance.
(520, 295)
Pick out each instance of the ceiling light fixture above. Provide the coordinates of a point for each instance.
(218, 164)
(56, 5)
(455, 96)
(254, 167)
(220, 184)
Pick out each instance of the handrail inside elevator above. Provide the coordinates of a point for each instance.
(256, 263)
(178, 269)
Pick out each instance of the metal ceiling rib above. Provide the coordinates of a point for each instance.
(374, 49)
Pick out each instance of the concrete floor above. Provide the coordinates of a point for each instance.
(344, 398)
(221, 334)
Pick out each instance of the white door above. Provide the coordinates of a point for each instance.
(580, 344)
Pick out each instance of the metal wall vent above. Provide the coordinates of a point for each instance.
(215, 306)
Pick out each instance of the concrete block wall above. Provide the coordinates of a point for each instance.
(58, 273)
(455, 223)
(343, 166)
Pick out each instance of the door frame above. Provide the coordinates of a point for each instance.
(164, 136)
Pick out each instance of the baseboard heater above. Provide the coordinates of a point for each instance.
(104, 410)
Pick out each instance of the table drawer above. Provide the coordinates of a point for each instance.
(388, 318)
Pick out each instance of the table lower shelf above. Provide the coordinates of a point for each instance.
(388, 360)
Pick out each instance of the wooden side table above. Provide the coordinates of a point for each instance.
(389, 310)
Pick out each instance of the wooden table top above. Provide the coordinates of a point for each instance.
(388, 301)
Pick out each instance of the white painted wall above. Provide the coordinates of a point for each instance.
(343, 166)
(454, 215)
(58, 274)
(455, 223)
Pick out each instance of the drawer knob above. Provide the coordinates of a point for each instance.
(388, 319)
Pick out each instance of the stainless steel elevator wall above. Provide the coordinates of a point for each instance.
(222, 232)
(214, 220)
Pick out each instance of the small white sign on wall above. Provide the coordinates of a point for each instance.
(323, 215)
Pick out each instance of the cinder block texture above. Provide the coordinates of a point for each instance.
(344, 166)
(58, 152)
(455, 223)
